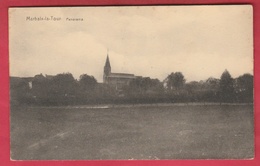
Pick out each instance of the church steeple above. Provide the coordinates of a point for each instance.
(107, 70)
(107, 65)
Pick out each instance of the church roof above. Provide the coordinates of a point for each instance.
(121, 75)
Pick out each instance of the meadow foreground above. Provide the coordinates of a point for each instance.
(132, 132)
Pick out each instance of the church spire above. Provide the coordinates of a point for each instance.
(107, 62)
(107, 70)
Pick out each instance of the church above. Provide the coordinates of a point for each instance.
(117, 80)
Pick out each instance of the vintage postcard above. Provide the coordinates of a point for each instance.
(131, 82)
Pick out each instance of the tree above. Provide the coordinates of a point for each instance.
(19, 90)
(226, 87)
(175, 81)
(245, 83)
(144, 86)
(40, 86)
(87, 83)
(138, 85)
(63, 84)
(192, 87)
(156, 86)
(212, 83)
(244, 87)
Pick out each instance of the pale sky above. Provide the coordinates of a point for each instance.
(199, 41)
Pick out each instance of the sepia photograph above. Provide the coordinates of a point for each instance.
(131, 82)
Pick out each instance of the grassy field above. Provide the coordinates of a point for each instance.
(138, 132)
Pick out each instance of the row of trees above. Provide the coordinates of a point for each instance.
(225, 89)
(64, 89)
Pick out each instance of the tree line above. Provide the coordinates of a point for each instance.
(64, 89)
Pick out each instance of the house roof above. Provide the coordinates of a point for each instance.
(21, 78)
